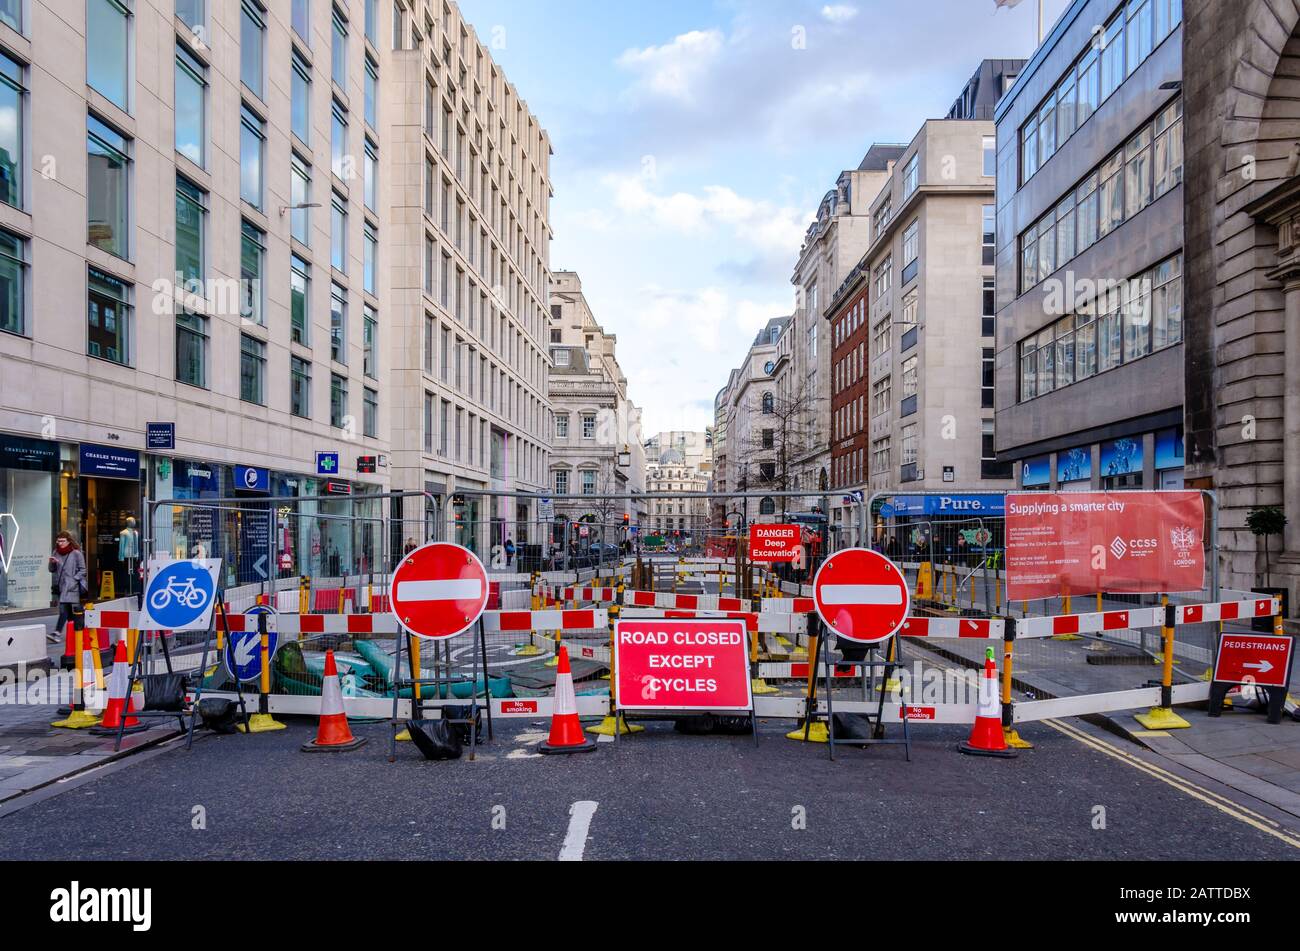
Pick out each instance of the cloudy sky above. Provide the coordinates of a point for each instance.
(694, 140)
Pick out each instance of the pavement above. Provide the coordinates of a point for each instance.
(654, 795)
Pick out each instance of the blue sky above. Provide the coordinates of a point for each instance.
(694, 139)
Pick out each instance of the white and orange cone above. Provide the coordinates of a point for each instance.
(986, 737)
(117, 707)
(566, 730)
(333, 733)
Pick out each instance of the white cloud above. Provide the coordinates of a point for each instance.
(674, 69)
(839, 12)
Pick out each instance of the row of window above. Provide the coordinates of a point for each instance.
(491, 384)
(1114, 52)
(588, 421)
(454, 432)
(1121, 324)
(1135, 175)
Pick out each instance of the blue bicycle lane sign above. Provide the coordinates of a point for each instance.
(180, 594)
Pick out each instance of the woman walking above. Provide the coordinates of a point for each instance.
(68, 565)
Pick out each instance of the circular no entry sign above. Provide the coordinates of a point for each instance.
(861, 595)
(439, 590)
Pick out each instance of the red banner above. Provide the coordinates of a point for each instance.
(678, 664)
(774, 542)
(1085, 542)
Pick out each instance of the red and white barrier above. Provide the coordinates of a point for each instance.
(765, 622)
(97, 619)
(588, 619)
(684, 602)
(791, 671)
(589, 594)
(1095, 623)
(335, 624)
(789, 605)
(954, 627)
(1225, 611)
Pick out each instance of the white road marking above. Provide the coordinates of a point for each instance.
(575, 840)
(861, 594)
(453, 589)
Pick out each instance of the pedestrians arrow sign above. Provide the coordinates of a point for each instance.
(861, 595)
(439, 590)
(1261, 659)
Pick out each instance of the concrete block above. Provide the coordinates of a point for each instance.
(23, 644)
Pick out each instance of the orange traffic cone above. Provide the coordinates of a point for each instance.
(566, 732)
(117, 706)
(986, 737)
(333, 734)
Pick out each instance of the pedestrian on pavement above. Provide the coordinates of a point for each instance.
(68, 565)
(510, 550)
(409, 547)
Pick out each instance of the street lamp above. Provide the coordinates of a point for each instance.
(625, 457)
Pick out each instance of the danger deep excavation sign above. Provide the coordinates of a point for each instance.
(679, 664)
(774, 542)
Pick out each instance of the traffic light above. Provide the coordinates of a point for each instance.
(627, 520)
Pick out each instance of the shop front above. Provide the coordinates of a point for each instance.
(33, 500)
(111, 501)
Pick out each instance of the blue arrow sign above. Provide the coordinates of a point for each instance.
(244, 648)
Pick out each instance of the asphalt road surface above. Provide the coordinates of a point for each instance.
(656, 795)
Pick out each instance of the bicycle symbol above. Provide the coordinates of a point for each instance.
(180, 594)
(188, 594)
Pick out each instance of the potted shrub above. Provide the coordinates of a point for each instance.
(1266, 521)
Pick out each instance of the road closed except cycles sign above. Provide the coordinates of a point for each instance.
(774, 542)
(1085, 542)
(1262, 659)
(682, 664)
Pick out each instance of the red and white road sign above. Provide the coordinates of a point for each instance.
(1263, 659)
(774, 542)
(439, 590)
(861, 595)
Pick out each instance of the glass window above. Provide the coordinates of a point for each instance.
(1168, 152)
(11, 132)
(1046, 131)
(370, 418)
(911, 242)
(990, 144)
(339, 233)
(561, 482)
(108, 318)
(910, 377)
(191, 348)
(108, 199)
(300, 99)
(1137, 317)
(338, 400)
(1137, 178)
(1085, 347)
(588, 426)
(1111, 195)
(11, 12)
(1065, 231)
(191, 128)
(588, 482)
(299, 300)
(301, 19)
(339, 162)
(190, 12)
(252, 140)
(370, 255)
(191, 211)
(1138, 32)
(339, 52)
(13, 283)
(299, 387)
(912, 174)
(252, 45)
(372, 16)
(370, 343)
(1029, 149)
(252, 370)
(338, 324)
(299, 198)
(371, 93)
(1064, 351)
(562, 425)
(371, 171)
(1046, 246)
(1085, 204)
(108, 68)
(1089, 86)
(252, 254)
(1066, 109)
(988, 230)
(1112, 56)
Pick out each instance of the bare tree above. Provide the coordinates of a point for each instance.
(784, 432)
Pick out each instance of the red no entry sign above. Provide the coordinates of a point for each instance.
(439, 590)
(861, 595)
(1261, 659)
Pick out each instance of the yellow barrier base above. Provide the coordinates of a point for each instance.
(552, 661)
(607, 727)
(404, 736)
(261, 723)
(1162, 718)
(761, 687)
(816, 733)
(526, 650)
(1066, 637)
(893, 685)
(783, 642)
(78, 720)
(1013, 739)
(1208, 675)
